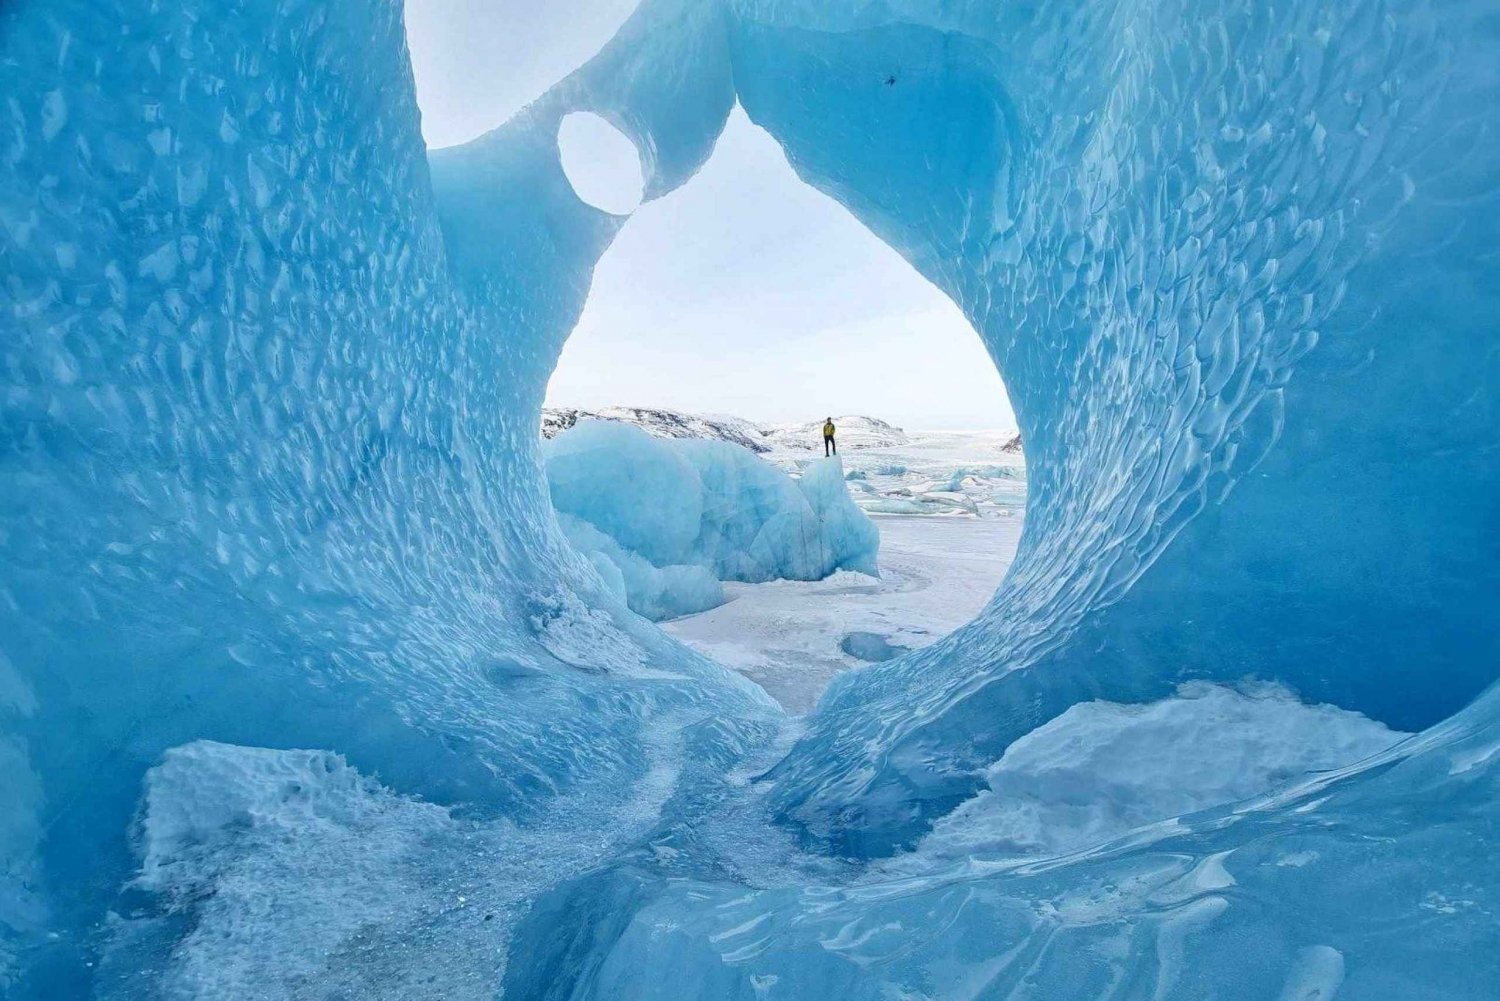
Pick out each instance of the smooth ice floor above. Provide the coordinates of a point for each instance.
(936, 573)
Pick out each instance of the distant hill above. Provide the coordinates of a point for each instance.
(661, 424)
(854, 431)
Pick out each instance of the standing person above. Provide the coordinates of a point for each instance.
(830, 447)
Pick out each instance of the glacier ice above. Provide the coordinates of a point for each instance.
(1102, 769)
(221, 825)
(657, 592)
(661, 509)
(270, 481)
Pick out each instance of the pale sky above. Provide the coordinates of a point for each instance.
(745, 292)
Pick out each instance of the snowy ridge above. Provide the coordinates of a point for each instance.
(854, 431)
(661, 423)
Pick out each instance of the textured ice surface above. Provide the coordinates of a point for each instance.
(1101, 769)
(1272, 897)
(657, 592)
(270, 377)
(680, 505)
(246, 846)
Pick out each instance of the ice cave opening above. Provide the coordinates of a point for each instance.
(730, 314)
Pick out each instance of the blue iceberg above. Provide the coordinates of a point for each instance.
(666, 520)
(304, 691)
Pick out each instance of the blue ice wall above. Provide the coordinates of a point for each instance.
(1233, 264)
(269, 459)
(269, 479)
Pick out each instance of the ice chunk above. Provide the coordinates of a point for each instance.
(676, 504)
(656, 592)
(644, 494)
(265, 862)
(1101, 769)
(870, 646)
(205, 797)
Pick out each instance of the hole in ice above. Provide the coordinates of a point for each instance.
(601, 163)
(469, 80)
(872, 647)
(741, 310)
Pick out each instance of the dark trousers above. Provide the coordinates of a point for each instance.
(828, 444)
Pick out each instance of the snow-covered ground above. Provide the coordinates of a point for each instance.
(792, 637)
(936, 570)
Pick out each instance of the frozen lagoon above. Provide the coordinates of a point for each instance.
(936, 573)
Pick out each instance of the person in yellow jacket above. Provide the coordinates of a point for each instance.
(830, 447)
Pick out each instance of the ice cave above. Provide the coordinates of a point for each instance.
(304, 692)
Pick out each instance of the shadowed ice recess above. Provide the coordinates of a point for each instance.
(305, 694)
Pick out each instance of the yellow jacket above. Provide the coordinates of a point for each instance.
(828, 430)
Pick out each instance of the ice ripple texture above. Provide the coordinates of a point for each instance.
(270, 479)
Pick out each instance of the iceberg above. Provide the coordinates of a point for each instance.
(305, 692)
(676, 516)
